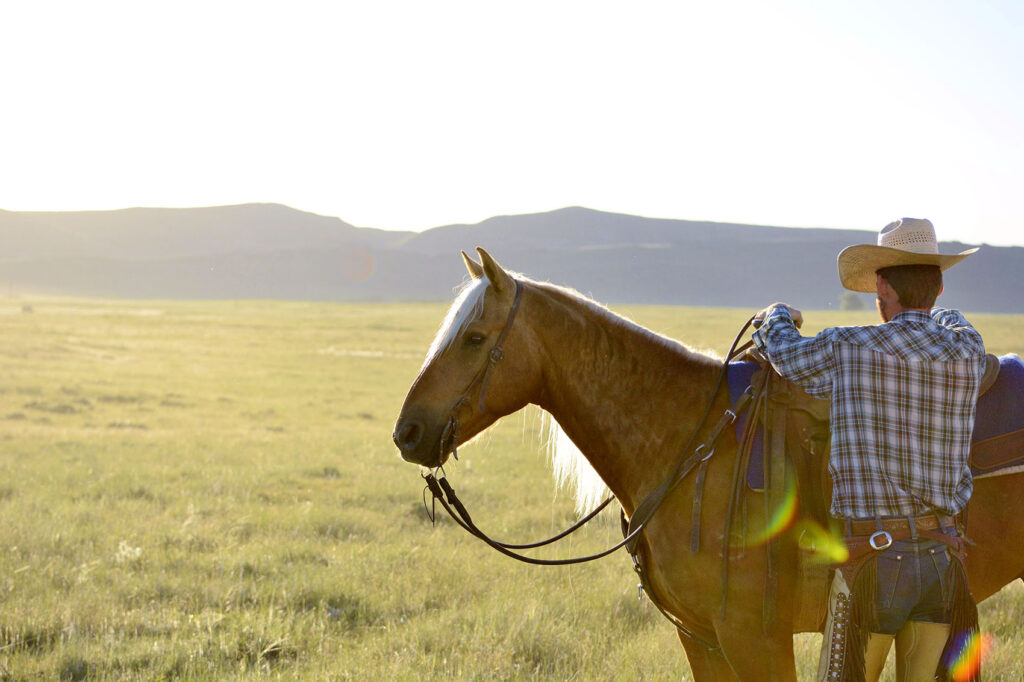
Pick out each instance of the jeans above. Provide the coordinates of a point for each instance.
(913, 584)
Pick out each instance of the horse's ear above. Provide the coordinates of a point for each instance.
(475, 270)
(500, 280)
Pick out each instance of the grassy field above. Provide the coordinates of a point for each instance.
(209, 491)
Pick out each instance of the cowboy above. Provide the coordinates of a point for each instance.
(903, 402)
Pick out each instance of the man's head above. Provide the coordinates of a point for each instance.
(907, 287)
(906, 242)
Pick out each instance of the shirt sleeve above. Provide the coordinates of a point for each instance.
(806, 361)
(957, 324)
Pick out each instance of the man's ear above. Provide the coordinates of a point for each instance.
(883, 287)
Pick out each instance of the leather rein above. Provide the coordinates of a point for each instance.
(443, 493)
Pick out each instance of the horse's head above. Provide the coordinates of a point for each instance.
(479, 368)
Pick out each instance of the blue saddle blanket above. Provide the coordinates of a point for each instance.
(1000, 409)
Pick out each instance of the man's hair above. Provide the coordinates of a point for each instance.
(916, 285)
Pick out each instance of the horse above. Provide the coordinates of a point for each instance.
(630, 400)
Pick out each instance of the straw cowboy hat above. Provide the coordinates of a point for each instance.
(910, 241)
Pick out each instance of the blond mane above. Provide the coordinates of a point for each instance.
(570, 467)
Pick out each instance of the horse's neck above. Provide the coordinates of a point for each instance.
(628, 398)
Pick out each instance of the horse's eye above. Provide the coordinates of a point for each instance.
(475, 339)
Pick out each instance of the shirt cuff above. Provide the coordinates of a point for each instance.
(776, 314)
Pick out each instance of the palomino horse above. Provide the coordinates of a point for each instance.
(630, 400)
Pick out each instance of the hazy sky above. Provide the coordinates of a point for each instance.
(416, 114)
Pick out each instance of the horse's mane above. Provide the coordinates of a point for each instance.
(467, 307)
(571, 469)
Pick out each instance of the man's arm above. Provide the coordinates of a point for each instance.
(804, 361)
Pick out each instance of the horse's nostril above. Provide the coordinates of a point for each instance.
(408, 434)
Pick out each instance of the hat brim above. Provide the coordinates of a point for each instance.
(858, 264)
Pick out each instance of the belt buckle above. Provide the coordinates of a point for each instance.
(885, 537)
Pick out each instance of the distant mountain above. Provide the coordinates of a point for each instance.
(151, 234)
(272, 251)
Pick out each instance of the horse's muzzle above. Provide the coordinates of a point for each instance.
(408, 434)
(416, 443)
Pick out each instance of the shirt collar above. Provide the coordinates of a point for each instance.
(912, 316)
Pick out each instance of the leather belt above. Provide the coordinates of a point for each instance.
(901, 525)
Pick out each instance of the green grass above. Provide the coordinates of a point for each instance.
(209, 491)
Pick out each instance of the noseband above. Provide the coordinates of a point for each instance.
(482, 378)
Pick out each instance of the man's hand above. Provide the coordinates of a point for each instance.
(798, 317)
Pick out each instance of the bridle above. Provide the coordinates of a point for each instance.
(443, 493)
(495, 355)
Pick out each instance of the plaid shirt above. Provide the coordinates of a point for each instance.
(903, 400)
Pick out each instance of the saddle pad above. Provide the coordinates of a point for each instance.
(1000, 411)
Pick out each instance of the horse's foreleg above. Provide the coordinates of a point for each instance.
(755, 657)
(707, 665)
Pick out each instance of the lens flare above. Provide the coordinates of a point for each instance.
(822, 544)
(358, 264)
(780, 518)
(971, 650)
